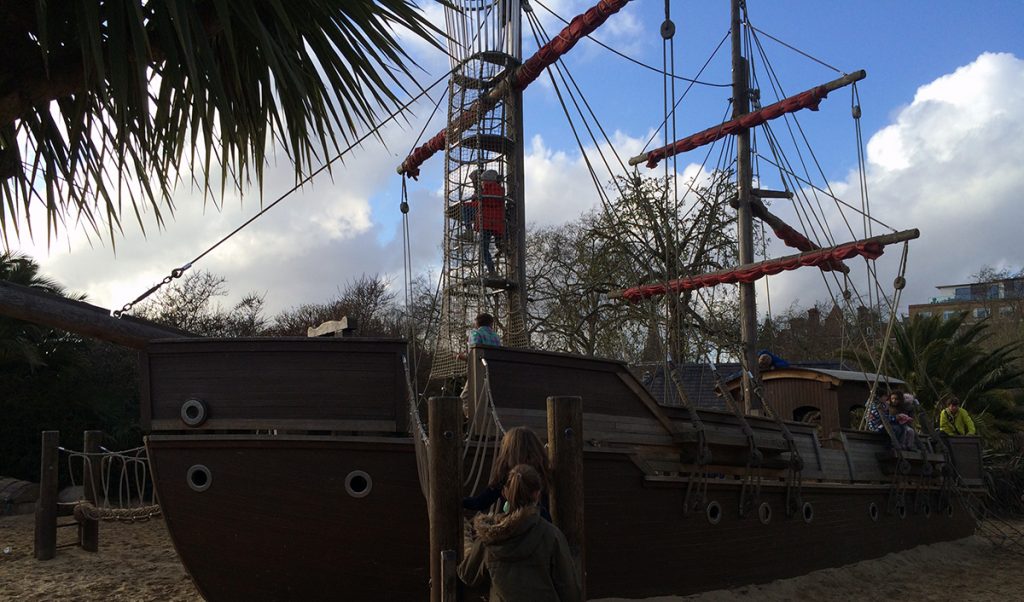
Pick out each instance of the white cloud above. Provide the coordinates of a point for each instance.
(950, 165)
(964, 139)
(559, 186)
(325, 234)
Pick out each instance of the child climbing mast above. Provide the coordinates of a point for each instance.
(485, 213)
(523, 556)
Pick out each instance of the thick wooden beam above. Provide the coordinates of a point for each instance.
(763, 193)
(445, 474)
(46, 505)
(92, 467)
(565, 450)
(28, 304)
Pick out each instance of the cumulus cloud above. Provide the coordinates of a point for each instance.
(949, 165)
(962, 138)
(327, 233)
(559, 184)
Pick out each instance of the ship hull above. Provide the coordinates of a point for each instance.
(277, 522)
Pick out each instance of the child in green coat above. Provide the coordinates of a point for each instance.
(524, 557)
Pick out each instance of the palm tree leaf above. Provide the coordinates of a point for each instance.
(143, 86)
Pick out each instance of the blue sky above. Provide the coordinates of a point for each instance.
(340, 227)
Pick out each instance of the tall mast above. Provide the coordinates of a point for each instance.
(484, 256)
(744, 217)
(516, 296)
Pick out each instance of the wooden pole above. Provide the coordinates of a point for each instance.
(565, 451)
(445, 473)
(449, 576)
(89, 529)
(46, 505)
(25, 303)
(744, 215)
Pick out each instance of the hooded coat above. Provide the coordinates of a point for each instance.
(525, 558)
(956, 425)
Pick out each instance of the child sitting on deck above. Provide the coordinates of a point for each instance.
(519, 446)
(524, 557)
(899, 413)
(901, 417)
(875, 408)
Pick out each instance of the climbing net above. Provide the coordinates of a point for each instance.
(120, 484)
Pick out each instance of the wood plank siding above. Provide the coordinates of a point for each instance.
(288, 383)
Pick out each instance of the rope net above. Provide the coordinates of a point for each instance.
(484, 431)
(122, 482)
(482, 240)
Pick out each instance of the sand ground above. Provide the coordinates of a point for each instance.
(136, 562)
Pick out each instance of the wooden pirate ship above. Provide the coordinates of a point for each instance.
(291, 469)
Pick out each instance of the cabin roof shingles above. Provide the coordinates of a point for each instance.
(698, 381)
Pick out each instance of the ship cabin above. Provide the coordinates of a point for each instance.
(833, 399)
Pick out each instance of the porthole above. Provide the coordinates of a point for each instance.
(199, 477)
(358, 483)
(873, 511)
(714, 513)
(193, 412)
(808, 512)
(949, 510)
(901, 510)
(764, 513)
(926, 510)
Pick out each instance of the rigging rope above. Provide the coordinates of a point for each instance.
(635, 61)
(177, 272)
(564, 74)
(407, 282)
(707, 62)
(793, 48)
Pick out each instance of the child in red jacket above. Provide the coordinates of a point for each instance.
(486, 213)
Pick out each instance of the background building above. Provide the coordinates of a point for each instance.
(1000, 300)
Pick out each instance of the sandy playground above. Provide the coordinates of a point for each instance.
(136, 562)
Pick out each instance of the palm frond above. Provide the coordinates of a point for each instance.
(105, 103)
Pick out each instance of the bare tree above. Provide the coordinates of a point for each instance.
(656, 235)
(191, 304)
(368, 299)
(569, 274)
(644, 236)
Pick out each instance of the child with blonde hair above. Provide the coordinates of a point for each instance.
(523, 556)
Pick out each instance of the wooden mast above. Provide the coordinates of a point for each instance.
(516, 296)
(744, 217)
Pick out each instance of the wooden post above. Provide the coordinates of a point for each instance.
(46, 505)
(565, 451)
(445, 472)
(89, 529)
(449, 576)
(33, 305)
